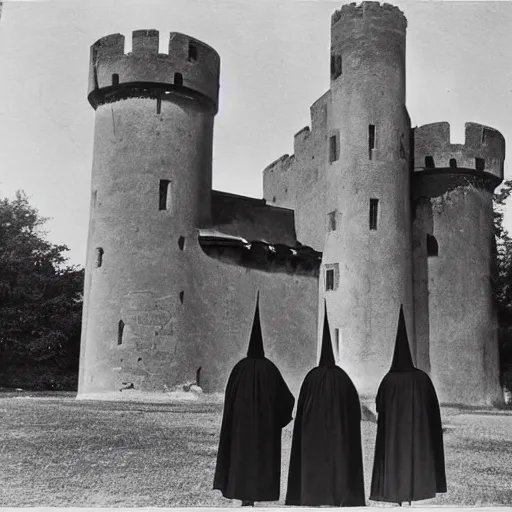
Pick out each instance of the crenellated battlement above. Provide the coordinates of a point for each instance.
(385, 13)
(281, 163)
(483, 149)
(189, 64)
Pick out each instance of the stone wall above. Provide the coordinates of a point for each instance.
(170, 334)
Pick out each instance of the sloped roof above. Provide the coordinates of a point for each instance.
(252, 219)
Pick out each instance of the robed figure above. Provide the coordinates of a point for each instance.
(326, 463)
(409, 453)
(258, 404)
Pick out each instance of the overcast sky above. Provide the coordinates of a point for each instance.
(274, 65)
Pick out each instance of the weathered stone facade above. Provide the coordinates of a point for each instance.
(367, 214)
(367, 192)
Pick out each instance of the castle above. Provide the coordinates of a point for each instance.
(368, 214)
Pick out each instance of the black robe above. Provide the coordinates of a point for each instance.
(326, 463)
(409, 453)
(258, 404)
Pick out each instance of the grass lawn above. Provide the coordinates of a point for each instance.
(56, 451)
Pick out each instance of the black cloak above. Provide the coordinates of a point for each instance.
(409, 453)
(258, 404)
(326, 463)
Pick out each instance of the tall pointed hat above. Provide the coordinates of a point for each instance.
(256, 342)
(326, 354)
(402, 359)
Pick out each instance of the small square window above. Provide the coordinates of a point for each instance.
(429, 162)
(332, 276)
(480, 164)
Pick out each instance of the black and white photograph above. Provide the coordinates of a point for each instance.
(255, 253)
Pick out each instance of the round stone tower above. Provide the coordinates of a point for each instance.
(366, 273)
(454, 242)
(151, 188)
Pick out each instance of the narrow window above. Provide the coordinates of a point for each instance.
(486, 134)
(198, 376)
(331, 224)
(453, 163)
(374, 209)
(335, 66)
(159, 102)
(182, 296)
(178, 79)
(329, 279)
(337, 338)
(192, 52)
(480, 164)
(99, 256)
(333, 148)
(402, 147)
(120, 329)
(165, 195)
(371, 139)
(181, 242)
(429, 162)
(115, 79)
(432, 246)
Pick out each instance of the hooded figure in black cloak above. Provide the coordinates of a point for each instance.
(409, 453)
(326, 463)
(258, 404)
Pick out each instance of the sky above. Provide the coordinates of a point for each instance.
(274, 65)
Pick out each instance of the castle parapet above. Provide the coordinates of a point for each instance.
(384, 15)
(259, 254)
(189, 64)
(281, 164)
(483, 149)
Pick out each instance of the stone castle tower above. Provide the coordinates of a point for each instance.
(400, 214)
(151, 177)
(367, 213)
(368, 188)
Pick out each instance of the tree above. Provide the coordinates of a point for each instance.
(502, 279)
(40, 303)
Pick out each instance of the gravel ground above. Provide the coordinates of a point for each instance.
(56, 451)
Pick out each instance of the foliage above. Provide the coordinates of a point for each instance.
(40, 303)
(503, 276)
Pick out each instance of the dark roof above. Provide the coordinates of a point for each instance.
(252, 219)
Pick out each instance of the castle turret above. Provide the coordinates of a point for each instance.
(367, 256)
(454, 255)
(151, 188)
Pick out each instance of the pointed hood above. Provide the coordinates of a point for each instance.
(256, 342)
(402, 359)
(326, 354)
